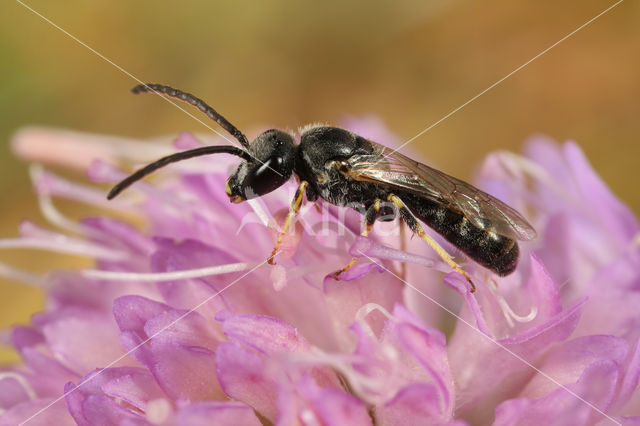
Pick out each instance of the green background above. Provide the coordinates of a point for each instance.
(291, 63)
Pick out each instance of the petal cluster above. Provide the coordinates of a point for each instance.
(181, 321)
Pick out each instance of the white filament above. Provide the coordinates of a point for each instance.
(527, 166)
(31, 393)
(278, 276)
(309, 417)
(300, 271)
(535, 171)
(56, 218)
(374, 390)
(5, 337)
(507, 312)
(41, 144)
(326, 227)
(64, 244)
(158, 411)
(169, 276)
(367, 308)
(46, 206)
(20, 275)
(258, 209)
(82, 193)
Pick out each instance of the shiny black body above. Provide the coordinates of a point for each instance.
(323, 159)
(491, 250)
(320, 146)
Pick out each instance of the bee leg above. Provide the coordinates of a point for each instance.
(293, 210)
(370, 217)
(415, 226)
(403, 247)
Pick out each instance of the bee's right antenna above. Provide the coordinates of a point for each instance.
(198, 103)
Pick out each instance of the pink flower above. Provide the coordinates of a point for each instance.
(184, 323)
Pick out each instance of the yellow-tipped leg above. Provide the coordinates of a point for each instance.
(369, 219)
(403, 247)
(415, 226)
(336, 275)
(293, 210)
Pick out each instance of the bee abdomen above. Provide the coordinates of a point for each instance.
(489, 249)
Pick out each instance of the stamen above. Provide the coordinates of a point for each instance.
(28, 389)
(373, 389)
(563, 284)
(295, 272)
(325, 228)
(29, 229)
(522, 319)
(56, 218)
(506, 309)
(389, 352)
(20, 275)
(367, 308)
(532, 170)
(367, 247)
(50, 184)
(173, 205)
(48, 210)
(64, 244)
(526, 166)
(52, 146)
(158, 410)
(102, 172)
(258, 209)
(5, 337)
(308, 417)
(186, 140)
(278, 276)
(169, 276)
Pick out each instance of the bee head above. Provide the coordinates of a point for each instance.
(271, 165)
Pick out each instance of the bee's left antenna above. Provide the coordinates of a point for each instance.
(198, 103)
(178, 156)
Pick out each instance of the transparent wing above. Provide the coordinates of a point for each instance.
(398, 171)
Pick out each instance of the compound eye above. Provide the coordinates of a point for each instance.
(266, 177)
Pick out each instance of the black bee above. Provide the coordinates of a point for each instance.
(346, 169)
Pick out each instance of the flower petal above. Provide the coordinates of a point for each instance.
(479, 364)
(187, 328)
(132, 312)
(595, 386)
(39, 412)
(307, 403)
(135, 386)
(620, 223)
(183, 372)
(567, 362)
(242, 376)
(418, 403)
(74, 337)
(263, 333)
(228, 413)
(345, 299)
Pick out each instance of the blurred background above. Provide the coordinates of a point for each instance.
(289, 63)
